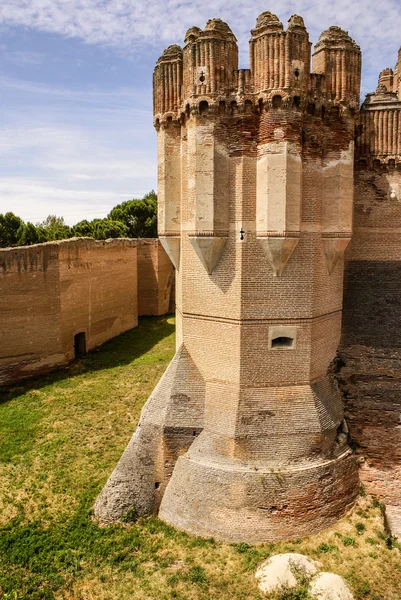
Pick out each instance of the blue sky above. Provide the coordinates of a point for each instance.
(76, 134)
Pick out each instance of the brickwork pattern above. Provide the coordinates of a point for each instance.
(51, 292)
(255, 174)
(370, 353)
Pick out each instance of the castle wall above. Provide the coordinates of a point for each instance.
(155, 279)
(51, 292)
(370, 353)
(30, 329)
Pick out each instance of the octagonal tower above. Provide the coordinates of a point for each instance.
(244, 439)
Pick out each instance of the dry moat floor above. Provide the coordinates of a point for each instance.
(60, 438)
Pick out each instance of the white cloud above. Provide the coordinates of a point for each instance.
(130, 23)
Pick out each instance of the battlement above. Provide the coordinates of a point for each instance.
(379, 133)
(205, 73)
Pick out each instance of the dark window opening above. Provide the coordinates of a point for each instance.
(157, 485)
(311, 109)
(297, 101)
(203, 107)
(222, 106)
(276, 101)
(283, 342)
(234, 108)
(391, 163)
(296, 73)
(323, 111)
(202, 77)
(80, 345)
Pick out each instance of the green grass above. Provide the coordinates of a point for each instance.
(60, 438)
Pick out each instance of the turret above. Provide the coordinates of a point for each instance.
(280, 60)
(338, 58)
(210, 58)
(167, 82)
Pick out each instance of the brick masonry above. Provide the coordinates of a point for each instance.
(51, 292)
(370, 351)
(256, 193)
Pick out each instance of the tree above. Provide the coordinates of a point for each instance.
(107, 228)
(139, 216)
(55, 228)
(9, 227)
(83, 229)
(29, 234)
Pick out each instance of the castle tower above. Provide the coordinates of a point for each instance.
(243, 439)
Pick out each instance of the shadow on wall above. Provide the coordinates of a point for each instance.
(121, 350)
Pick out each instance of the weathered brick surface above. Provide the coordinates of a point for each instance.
(51, 292)
(370, 353)
(255, 208)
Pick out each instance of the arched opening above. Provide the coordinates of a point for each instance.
(276, 102)
(234, 108)
(297, 101)
(203, 107)
(248, 106)
(222, 107)
(323, 111)
(283, 342)
(260, 105)
(391, 164)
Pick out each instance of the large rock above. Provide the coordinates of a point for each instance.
(281, 570)
(329, 586)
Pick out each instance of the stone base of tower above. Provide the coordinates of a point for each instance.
(239, 503)
(170, 421)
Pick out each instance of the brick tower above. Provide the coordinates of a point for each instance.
(243, 439)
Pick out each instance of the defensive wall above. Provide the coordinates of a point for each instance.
(370, 353)
(61, 299)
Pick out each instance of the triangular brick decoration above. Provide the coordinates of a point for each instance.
(278, 251)
(208, 249)
(172, 245)
(334, 249)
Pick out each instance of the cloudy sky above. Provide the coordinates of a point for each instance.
(76, 133)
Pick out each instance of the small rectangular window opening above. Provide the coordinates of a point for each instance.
(282, 342)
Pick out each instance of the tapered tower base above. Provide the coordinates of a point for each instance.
(234, 502)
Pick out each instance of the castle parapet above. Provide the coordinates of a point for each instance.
(338, 58)
(379, 132)
(210, 59)
(280, 60)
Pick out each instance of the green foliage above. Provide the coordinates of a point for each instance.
(360, 527)
(139, 216)
(197, 575)
(10, 226)
(348, 541)
(325, 548)
(30, 234)
(134, 219)
(55, 228)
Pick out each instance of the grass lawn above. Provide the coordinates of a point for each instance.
(60, 438)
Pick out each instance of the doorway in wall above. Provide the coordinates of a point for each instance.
(80, 344)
